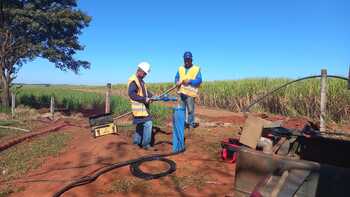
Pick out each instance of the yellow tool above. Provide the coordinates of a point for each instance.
(102, 125)
(105, 129)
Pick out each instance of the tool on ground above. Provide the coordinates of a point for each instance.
(229, 149)
(162, 95)
(102, 125)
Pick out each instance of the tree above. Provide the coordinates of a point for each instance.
(47, 29)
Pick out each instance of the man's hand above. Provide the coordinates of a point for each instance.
(179, 83)
(185, 82)
(148, 100)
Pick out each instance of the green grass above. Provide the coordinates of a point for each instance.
(9, 133)
(127, 185)
(299, 99)
(73, 99)
(5, 110)
(18, 160)
(195, 180)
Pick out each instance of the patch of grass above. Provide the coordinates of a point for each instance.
(212, 149)
(5, 110)
(6, 191)
(8, 122)
(8, 133)
(17, 160)
(5, 133)
(129, 185)
(195, 180)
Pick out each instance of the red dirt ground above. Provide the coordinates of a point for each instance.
(200, 172)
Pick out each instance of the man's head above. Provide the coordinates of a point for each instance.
(188, 59)
(143, 69)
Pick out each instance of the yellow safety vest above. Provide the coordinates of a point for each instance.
(138, 109)
(190, 75)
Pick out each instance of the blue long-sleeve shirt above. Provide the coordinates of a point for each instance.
(196, 82)
(132, 92)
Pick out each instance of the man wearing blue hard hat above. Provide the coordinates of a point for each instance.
(188, 79)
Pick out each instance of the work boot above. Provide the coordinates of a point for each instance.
(195, 125)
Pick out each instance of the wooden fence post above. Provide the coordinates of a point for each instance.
(108, 99)
(13, 104)
(52, 107)
(323, 99)
(349, 79)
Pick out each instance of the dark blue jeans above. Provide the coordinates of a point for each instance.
(143, 134)
(187, 102)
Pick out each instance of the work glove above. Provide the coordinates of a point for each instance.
(178, 84)
(185, 82)
(148, 100)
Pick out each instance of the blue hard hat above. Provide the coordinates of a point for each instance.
(187, 55)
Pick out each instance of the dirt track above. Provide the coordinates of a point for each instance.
(199, 170)
(85, 154)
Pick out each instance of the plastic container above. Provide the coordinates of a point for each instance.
(178, 129)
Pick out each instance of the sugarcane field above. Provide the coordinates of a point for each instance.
(174, 98)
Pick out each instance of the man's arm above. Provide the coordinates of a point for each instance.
(196, 82)
(177, 77)
(150, 94)
(132, 92)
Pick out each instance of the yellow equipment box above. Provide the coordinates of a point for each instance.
(102, 125)
(105, 129)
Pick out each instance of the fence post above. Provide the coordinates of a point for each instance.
(108, 99)
(323, 99)
(349, 79)
(13, 104)
(52, 107)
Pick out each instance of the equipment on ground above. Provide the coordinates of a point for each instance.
(102, 125)
(229, 149)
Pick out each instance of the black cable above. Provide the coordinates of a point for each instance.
(136, 171)
(102, 170)
(246, 109)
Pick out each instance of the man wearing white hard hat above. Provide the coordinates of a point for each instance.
(140, 99)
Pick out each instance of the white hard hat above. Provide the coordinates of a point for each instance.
(145, 66)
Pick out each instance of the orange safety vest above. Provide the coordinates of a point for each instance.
(190, 75)
(138, 109)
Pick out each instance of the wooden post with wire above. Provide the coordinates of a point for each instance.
(13, 104)
(108, 99)
(52, 107)
(323, 99)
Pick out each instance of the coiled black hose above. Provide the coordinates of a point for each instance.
(136, 171)
(246, 109)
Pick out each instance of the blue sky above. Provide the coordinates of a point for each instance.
(229, 39)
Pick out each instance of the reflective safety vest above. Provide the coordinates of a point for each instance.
(138, 109)
(190, 75)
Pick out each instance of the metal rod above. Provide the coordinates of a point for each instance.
(14, 128)
(161, 95)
